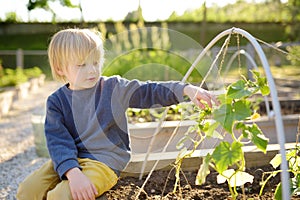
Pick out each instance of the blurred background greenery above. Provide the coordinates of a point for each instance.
(161, 54)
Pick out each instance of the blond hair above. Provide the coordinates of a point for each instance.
(74, 45)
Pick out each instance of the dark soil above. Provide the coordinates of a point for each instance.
(161, 184)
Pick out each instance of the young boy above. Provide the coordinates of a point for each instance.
(86, 126)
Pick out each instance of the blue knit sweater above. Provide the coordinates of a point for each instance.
(92, 123)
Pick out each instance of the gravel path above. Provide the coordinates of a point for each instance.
(17, 152)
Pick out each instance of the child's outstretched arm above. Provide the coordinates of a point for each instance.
(199, 96)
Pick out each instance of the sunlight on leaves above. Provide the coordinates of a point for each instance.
(291, 156)
(262, 83)
(203, 171)
(225, 116)
(230, 116)
(242, 109)
(276, 161)
(234, 178)
(238, 90)
(226, 155)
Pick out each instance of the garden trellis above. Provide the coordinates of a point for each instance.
(273, 93)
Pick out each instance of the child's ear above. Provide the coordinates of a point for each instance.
(59, 71)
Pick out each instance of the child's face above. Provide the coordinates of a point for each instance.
(83, 75)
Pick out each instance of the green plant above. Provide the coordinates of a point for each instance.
(294, 55)
(293, 160)
(12, 17)
(33, 72)
(12, 77)
(229, 117)
(1, 69)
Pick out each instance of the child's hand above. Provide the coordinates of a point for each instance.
(81, 187)
(199, 96)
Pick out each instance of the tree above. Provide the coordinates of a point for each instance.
(44, 4)
(11, 17)
(32, 4)
(293, 29)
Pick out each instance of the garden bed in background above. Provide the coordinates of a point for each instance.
(18, 84)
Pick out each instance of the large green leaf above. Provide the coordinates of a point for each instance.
(226, 155)
(225, 116)
(238, 90)
(242, 109)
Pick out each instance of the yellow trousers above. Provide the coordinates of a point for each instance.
(46, 184)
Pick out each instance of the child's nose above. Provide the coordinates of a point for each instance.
(93, 68)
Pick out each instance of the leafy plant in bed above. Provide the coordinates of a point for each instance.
(293, 160)
(227, 158)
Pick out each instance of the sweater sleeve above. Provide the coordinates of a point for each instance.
(61, 145)
(150, 94)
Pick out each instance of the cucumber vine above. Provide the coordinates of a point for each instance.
(229, 117)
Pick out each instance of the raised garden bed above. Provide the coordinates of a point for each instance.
(6, 100)
(129, 185)
(9, 95)
(161, 184)
(141, 135)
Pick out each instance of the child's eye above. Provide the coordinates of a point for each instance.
(96, 63)
(81, 65)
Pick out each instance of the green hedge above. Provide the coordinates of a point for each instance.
(13, 77)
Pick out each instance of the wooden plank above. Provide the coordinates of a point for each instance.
(201, 153)
(253, 157)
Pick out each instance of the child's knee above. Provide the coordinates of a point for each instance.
(26, 191)
(61, 191)
(21, 193)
